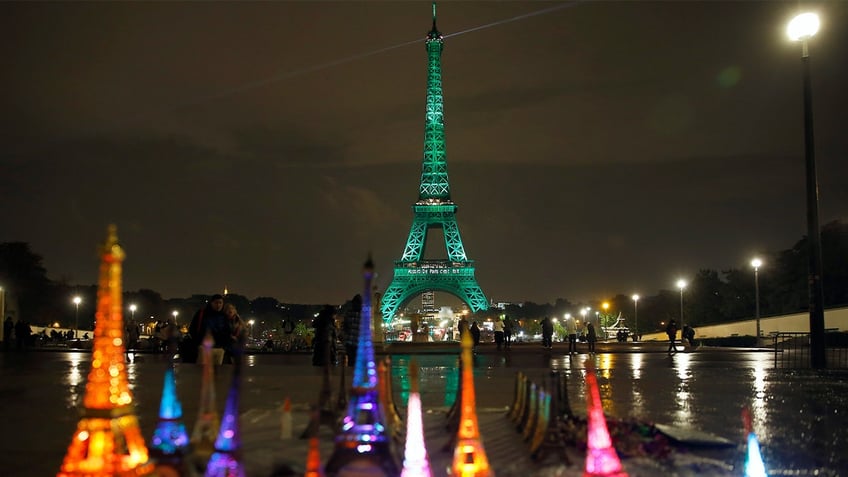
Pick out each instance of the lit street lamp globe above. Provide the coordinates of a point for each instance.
(803, 26)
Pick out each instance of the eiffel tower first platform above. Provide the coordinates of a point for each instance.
(434, 209)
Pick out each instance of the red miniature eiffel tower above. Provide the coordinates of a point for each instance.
(469, 456)
(108, 440)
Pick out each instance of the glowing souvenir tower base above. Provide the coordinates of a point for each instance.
(469, 456)
(415, 461)
(413, 273)
(363, 443)
(108, 441)
(601, 458)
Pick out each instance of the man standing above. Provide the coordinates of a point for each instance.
(498, 328)
(547, 333)
(209, 319)
(571, 330)
(671, 331)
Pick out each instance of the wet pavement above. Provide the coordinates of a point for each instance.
(799, 416)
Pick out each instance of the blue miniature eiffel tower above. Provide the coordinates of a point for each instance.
(170, 444)
(363, 441)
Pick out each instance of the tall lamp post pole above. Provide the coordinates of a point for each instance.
(756, 263)
(681, 284)
(77, 301)
(802, 28)
(636, 317)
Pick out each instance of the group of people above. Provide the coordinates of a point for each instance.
(687, 336)
(222, 323)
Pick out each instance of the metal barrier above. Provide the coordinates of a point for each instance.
(792, 349)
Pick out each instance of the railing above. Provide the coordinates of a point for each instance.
(792, 349)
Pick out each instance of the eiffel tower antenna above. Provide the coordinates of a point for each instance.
(108, 439)
(413, 274)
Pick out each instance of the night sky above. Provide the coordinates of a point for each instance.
(593, 148)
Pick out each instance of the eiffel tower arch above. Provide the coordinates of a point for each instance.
(434, 210)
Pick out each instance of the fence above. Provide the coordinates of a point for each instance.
(792, 349)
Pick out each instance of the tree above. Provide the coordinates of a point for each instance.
(23, 276)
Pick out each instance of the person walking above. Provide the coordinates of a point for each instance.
(498, 328)
(591, 336)
(8, 329)
(350, 329)
(509, 329)
(571, 331)
(671, 331)
(325, 336)
(475, 334)
(547, 333)
(238, 334)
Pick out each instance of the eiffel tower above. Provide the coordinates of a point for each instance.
(413, 273)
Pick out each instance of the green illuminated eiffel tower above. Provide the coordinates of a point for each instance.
(434, 210)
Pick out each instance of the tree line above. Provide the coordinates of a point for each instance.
(712, 296)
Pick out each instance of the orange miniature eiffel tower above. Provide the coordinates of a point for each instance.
(108, 440)
(313, 460)
(601, 458)
(469, 456)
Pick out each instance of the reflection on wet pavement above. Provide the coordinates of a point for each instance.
(799, 416)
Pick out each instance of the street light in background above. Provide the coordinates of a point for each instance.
(175, 313)
(251, 323)
(77, 300)
(636, 316)
(681, 284)
(132, 311)
(802, 28)
(757, 263)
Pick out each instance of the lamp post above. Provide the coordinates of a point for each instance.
(132, 311)
(636, 317)
(681, 284)
(756, 263)
(77, 301)
(251, 323)
(175, 313)
(802, 28)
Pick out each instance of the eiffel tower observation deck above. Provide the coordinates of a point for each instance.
(434, 210)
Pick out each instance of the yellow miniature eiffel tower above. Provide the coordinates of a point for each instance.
(469, 456)
(108, 440)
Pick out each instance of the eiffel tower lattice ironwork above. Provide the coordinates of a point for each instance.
(434, 209)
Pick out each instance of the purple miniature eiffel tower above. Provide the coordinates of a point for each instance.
(226, 460)
(363, 441)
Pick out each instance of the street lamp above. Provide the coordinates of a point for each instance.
(802, 28)
(77, 300)
(756, 263)
(636, 316)
(175, 313)
(132, 311)
(251, 323)
(681, 284)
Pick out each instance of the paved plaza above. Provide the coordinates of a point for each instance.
(799, 416)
